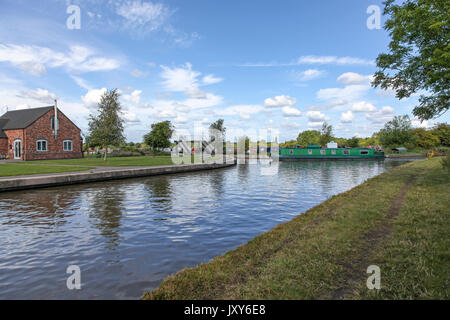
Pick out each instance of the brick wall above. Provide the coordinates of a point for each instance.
(12, 136)
(3, 147)
(41, 129)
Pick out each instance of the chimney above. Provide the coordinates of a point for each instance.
(56, 118)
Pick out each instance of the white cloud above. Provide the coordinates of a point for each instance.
(333, 60)
(40, 95)
(347, 117)
(352, 78)
(316, 116)
(348, 93)
(244, 111)
(130, 117)
(383, 115)
(210, 79)
(93, 97)
(144, 16)
(134, 97)
(280, 101)
(182, 79)
(363, 106)
(315, 124)
(138, 73)
(81, 82)
(309, 74)
(311, 59)
(36, 59)
(291, 112)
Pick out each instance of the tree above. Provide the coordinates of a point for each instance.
(308, 137)
(396, 132)
(419, 57)
(326, 134)
(159, 136)
(442, 131)
(106, 127)
(353, 142)
(425, 139)
(218, 125)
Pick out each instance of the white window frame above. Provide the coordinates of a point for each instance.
(71, 145)
(37, 144)
(323, 152)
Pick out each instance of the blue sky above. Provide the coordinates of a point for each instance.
(287, 65)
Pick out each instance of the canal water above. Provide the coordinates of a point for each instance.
(127, 236)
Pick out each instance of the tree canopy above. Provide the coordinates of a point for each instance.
(396, 132)
(218, 125)
(419, 54)
(326, 133)
(106, 126)
(308, 137)
(159, 136)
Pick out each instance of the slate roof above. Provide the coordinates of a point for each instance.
(20, 119)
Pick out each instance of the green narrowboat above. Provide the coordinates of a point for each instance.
(318, 153)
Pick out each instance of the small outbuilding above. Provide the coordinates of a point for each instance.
(399, 150)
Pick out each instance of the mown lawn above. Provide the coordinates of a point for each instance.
(398, 221)
(12, 169)
(114, 162)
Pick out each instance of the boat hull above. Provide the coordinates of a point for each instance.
(300, 154)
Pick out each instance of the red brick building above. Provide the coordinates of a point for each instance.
(30, 135)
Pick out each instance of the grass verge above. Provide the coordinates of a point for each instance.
(12, 169)
(398, 221)
(114, 162)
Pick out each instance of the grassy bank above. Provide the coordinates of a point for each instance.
(114, 162)
(13, 169)
(398, 221)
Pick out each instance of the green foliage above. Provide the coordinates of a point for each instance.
(326, 134)
(419, 57)
(106, 127)
(218, 125)
(396, 132)
(309, 137)
(159, 136)
(445, 161)
(442, 131)
(425, 139)
(353, 142)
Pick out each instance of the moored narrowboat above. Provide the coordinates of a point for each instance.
(319, 153)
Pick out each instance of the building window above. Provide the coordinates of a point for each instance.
(41, 145)
(322, 152)
(333, 152)
(309, 151)
(364, 152)
(67, 145)
(52, 123)
(346, 152)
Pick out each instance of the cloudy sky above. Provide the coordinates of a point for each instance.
(289, 65)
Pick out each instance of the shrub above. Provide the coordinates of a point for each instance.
(446, 162)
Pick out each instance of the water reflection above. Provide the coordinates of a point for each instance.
(128, 235)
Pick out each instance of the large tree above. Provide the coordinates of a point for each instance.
(308, 137)
(326, 133)
(106, 126)
(159, 136)
(218, 125)
(419, 54)
(397, 132)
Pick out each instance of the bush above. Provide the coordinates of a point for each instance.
(446, 162)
